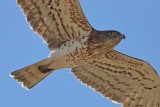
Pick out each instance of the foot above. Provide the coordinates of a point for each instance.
(43, 69)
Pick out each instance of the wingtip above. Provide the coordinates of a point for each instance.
(19, 2)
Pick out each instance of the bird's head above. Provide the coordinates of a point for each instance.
(112, 37)
(112, 34)
(108, 39)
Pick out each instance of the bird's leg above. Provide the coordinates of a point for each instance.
(44, 68)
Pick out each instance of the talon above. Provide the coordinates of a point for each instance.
(43, 69)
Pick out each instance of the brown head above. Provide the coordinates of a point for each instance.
(107, 39)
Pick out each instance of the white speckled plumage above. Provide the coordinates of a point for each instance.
(75, 44)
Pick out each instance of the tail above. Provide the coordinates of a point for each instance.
(32, 74)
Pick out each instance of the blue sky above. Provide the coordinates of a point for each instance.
(139, 20)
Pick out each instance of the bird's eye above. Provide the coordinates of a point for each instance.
(113, 33)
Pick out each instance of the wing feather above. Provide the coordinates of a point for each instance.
(123, 79)
(55, 21)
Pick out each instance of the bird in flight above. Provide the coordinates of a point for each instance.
(89, 53)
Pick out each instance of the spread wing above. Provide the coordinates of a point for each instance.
(55, 21)
(122, 79)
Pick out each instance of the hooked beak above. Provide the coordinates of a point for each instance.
(123, 36)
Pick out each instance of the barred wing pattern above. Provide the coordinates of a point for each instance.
(123, 79)
(56, 21)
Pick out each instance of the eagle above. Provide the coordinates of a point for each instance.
(75, 44)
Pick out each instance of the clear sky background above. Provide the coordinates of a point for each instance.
(139, 20)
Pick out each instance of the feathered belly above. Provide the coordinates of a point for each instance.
(75, 52)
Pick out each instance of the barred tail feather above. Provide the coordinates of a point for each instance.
(31, 75)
